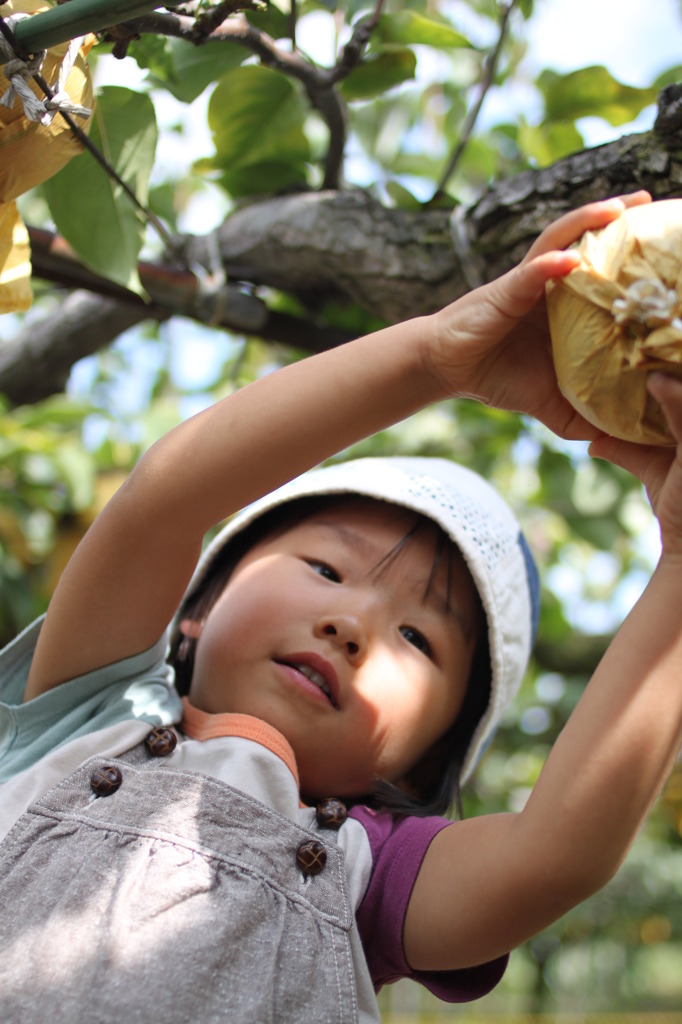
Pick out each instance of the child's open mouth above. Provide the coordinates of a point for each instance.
(322, 676)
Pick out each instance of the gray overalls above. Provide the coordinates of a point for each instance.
(172, 898)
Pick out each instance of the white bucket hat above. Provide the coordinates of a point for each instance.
(480, 524)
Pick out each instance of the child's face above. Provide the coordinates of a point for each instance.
(312, 606)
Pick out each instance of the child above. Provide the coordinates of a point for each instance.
(352, 637)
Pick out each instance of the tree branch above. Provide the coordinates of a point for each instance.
(354, 50)
(38, 360)
(400, 263)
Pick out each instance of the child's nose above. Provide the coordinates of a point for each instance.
(346, 632)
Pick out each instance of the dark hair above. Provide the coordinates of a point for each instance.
(433, 783)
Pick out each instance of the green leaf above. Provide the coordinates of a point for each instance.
(670, 77)
(377, 75)
(272, 21)
(262, 178)
(545, 143)
(162, 202)
(191, 68)
(381, 126)
(410, 28)
(592, 92)
(76, 470)
(418, 166)
(57, 413)
(92, 211)
(257, 118)
(152, 53)
(402, 198)
(602, 532)
(557, 475)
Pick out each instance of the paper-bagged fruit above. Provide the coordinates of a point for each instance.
(617, 317)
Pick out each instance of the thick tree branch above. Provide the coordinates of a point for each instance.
(401, 263)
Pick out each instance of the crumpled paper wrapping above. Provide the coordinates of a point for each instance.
(617, 317)
(30, 153)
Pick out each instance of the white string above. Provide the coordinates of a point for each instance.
(19, 71)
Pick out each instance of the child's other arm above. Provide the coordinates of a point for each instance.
(124, 582)
(509, 876)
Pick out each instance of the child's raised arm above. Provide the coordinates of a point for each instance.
(128, 575)
(489, 883)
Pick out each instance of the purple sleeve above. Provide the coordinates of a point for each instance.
(398, 847)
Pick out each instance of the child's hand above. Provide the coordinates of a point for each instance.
(659, 469)
(493, 344)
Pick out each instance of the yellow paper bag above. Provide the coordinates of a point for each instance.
(15, 261)
(30, 153)
(617, 317)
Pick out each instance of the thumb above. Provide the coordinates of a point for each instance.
(634, 458)
(625, 454)
(526, 283)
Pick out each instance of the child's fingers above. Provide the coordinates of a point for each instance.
(590, 217)
(516, 293)
(637, 459)
(535, 273)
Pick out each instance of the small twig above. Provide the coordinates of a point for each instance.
(354, 49)
(489, 69)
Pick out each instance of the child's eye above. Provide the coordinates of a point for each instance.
(325, 570)
(417, 639)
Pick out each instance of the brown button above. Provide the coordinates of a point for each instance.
(105, 780)
(161, 741)
(331, 813)
(311, 857)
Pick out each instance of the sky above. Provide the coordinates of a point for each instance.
(627, 35)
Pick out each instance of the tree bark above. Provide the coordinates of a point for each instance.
(342, 246)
